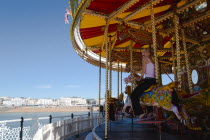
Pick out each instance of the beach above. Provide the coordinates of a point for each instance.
(26, 109)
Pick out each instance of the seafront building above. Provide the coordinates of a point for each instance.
(102, 101)
(45, 102)
(73, 101)
(31, 102)
(20, 101)
(15, 102)
(1, 101)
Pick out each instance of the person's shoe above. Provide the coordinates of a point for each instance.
(139, 112)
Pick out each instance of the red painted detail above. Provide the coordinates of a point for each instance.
(137, 45)
(106, 6)
(96, 31)
(190, 95)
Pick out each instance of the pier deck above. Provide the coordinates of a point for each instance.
(126, 130)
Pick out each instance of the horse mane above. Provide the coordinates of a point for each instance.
(171, 85)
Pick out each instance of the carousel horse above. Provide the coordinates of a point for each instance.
(115, 106)
(166, 98)
(197, 108)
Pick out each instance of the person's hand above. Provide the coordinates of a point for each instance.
(139, 78)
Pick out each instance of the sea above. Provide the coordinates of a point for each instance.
(56, 116)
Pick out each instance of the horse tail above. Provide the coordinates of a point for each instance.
(175, 100)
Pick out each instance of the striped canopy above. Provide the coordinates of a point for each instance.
(127, 23)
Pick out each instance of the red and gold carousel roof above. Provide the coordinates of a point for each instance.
(130, 26)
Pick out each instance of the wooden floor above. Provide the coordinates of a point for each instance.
(125, 130)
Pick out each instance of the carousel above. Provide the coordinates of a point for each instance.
(111, 34)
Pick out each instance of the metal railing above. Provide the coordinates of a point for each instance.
(74, 125)
(10, 131)
(63, 129)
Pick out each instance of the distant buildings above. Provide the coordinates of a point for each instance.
(45, 102)
(102, 101)
(14, 102)
(21, 101)
(1, 101)
(73, 101)
(31, 102)
(96, 101)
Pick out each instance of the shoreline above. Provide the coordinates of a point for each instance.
(26, 109)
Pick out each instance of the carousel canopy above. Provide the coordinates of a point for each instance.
(127, 24)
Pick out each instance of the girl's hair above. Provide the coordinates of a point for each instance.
(150, 51)
(146, 50)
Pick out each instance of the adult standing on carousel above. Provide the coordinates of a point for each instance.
(148, 71)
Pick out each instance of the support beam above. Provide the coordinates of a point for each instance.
(181, 9)
(138, 10)
(124, 7)
(161, 18)
(168, 57)
(170, 14)
(138, 25)
(94, 13)
(206, 15)
(127, 48)
(120, 20)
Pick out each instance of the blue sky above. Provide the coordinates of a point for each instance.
(36, 55)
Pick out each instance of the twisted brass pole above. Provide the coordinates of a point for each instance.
(176, 24)
(110, 69)
(131, 64)
(118, 79)
(121, 79)
(157, 74)
(107, 92)
(187, 61)
(173, 63)
(99, 91)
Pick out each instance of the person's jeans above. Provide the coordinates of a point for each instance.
(138, 91)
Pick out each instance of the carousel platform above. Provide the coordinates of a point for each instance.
(128, 129)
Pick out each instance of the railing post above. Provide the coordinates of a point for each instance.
(72, 116)
(77, 124)
(21, 128)
(89, 121)
(50, 118)
(91, 117)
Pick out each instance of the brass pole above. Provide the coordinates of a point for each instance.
(131, 64)
(176, 24)
(187, 61)
(99, 91)
(157, 74)
(173, 64)
(121, 78)
(107, 92)
(118, 79)
(110, 67)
